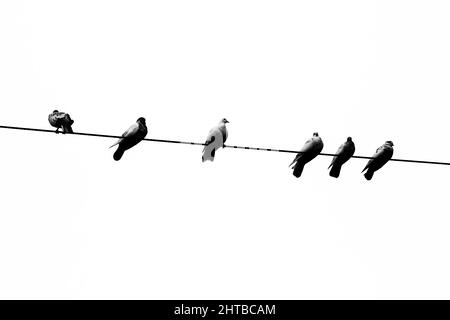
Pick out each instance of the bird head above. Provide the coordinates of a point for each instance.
(55, 111)
(349, 139)
(390, 143)
(315, 134)
(225, 120)
(141, 120)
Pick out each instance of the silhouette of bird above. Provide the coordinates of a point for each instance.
(215, 140)
(61, 120)
(135, 134)
(343, 154)
(379, 159)
(310, 150)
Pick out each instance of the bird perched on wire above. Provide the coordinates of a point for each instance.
(135, 134)
(379, 159)
(215, 140)
(343, 154)
(61, 120)
(310, 150)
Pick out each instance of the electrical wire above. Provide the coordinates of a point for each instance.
(225, 146)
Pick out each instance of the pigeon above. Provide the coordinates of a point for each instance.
(310, 150)
(379, 159)
(215, 140)
(344, 153)
(135, 134)
(61, 120)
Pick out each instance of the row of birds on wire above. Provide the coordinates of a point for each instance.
(218, 135)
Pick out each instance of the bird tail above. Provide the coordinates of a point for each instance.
(298, 169)
(368, 175)
(207, 158)
(335, 171)
(208, 155)
(115, 143)
(294, 161)
(118, 154)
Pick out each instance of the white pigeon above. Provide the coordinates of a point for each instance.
(215, 140)
(379, 159)
(310, 150)
(135, 134)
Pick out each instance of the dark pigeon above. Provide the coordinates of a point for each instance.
(380, 158)
(61, 120)
(135, 134)
(344, 153)
(310, 150)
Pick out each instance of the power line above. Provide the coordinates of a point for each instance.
(225, 146)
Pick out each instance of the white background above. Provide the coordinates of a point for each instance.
(160, 224)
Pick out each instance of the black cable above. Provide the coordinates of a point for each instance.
(225, 146)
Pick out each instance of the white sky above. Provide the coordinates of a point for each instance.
(160, 224)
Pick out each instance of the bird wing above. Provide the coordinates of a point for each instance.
(209, 140)
(344, 153)
(308, 147)
(53, 120)
(211, 137)
(216, 138)
(380, 149)
(375, 157)
(384, 155)
(57, 118)
(211, 134)
(131, 131)
(338, 154)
